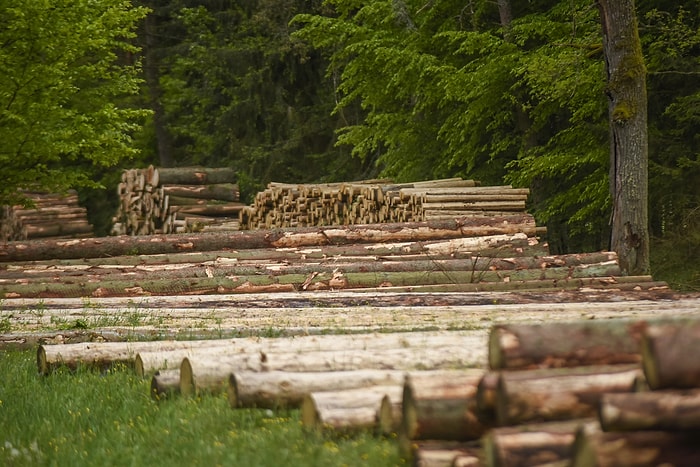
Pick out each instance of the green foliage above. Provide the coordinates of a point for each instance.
(90, 418)
(63, 69)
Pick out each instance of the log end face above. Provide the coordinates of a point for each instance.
(309, 414)
(187, 383)
(232, 391)
(138, 366)
(41, 362)
(496, 347)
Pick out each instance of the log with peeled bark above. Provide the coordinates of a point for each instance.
(532, 444)
(671, 410)
(635, 448)
(559, 394)
(441, 407)
(150, 361)
(568, 344)
(446, 454)
(165, 383)
(671, 354)
(211, 374)
(288, 238)
(346, 411)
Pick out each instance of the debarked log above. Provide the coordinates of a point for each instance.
(559, 394)
(671, 354)
(671, 410)
(568, 344)
(165, 383)
(283, 238)
(636, 448)
(441, 407)
(349, 410)
(438, 453)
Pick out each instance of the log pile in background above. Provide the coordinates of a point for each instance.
(378, 201)
(541, 401)
(177, 200)
(52, 216)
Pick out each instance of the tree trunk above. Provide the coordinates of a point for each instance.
(349, 410)
(636, 448)
(165, 383)
(441, 408)
(671, 354)
(627, 98)
(556, 345)
(654, 410)
(560, 394)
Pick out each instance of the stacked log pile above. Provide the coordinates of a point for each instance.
(496, 253)
(581, 393)
(176, 200)
(51, 216)
(378, 201)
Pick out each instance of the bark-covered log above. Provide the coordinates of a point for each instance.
(559, 394)
(445, 454)
(671, 354)
(636, 448)
(671, 410)
(194, 175)
(220, 191)
(532, 444)
(441, 408)
(289, 238)
(349, 410)
(554, 345)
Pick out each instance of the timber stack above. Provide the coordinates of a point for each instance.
(176, 200)
(378, 201)
(52, 215)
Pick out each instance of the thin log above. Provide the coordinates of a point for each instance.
(671, 354)
(636, 448)
(559, 394)
(441, 408)
(671, 410)
(350, 410)
(165, 383)
(557, 345)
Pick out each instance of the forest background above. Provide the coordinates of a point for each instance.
(311, 91)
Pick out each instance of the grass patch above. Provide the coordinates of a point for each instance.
(91, 418)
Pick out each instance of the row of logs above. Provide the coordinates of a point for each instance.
(582, 393)
(176, 200)
(470, 254)
(377, 201)
(51, 216)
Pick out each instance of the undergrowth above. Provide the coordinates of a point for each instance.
(90, 418)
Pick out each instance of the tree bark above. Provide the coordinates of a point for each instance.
(627, 98)
(556, 345)
(671, 354)
(441, 408)
(636, 448)
(655, 410)
(559, 394)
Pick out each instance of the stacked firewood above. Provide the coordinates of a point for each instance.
(176, 200)
(51, 216)
(582, 393)
(377, 201)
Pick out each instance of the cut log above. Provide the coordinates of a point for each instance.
(671, 354)
(212, 374)
(221, 191)
(441, 408)
(559, 394)
(446, 454)
(555, 345)
(671, 410)
(350, 410)
(636, 448)
(165, 383)
(194, 175)
(532, 444)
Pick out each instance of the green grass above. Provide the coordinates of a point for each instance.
(88, 418)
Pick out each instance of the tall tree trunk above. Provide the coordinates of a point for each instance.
(627, 96)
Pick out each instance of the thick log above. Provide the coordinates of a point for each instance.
(276, 389)
(445, 454)
(221, 191)
(636, 448)
(671, 410)
(671, 354)
(147, 362)
(556, 345)
(289, 238)
(350, 410)
(559, 394)
(441, 408)
(165, 383)
(212, 374)
(532, 444)
(194, 176)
